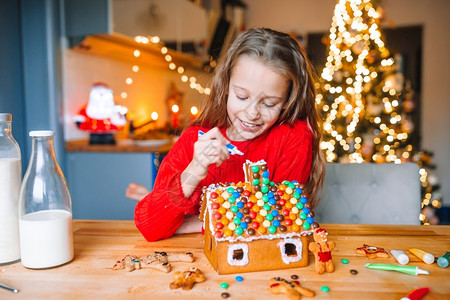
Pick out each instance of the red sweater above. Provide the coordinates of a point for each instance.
(286, 149)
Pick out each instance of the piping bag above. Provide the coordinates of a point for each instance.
(411, 270)
(232, 149)
(417, 294)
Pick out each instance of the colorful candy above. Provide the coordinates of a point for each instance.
(270, 208)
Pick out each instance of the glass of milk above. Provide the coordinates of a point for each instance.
(45, 208)
(10, 177)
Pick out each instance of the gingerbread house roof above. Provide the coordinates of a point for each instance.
(256, 208)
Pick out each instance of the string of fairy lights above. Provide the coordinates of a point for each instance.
(181, 70)
(354, 26)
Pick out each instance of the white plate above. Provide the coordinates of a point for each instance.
(151, 143)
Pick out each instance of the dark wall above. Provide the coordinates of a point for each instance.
(11, 84)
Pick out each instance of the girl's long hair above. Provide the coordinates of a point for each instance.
(281, 53)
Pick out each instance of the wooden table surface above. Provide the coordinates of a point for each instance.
(99, 244)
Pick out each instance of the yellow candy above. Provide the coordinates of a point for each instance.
(298, 221)
(259, 218)
(222, 210)
(258, 195)
(229, 215)
(295, 227)
(293, 200)
(263, 212)
(227, 232)
(294, 210)
(266, 223)
(289, 190)
(225, 195)
(288, 205)
(261, 229)
(226, 204)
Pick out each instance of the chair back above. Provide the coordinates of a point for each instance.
(370, 193)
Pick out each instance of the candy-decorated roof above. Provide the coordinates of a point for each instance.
(258, 208)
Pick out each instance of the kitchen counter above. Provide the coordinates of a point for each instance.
(99, 244)
(120, 146)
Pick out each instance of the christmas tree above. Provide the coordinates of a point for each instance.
(365, 101)
(364, 98)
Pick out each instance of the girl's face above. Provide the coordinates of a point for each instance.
(255, 98)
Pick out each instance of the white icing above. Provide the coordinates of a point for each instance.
(235, 262)
(287, 259)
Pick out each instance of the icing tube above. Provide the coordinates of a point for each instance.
(427, 258)
(400, 256)
(411, 270)
(444, 260)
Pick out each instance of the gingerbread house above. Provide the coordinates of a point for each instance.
(256, 225)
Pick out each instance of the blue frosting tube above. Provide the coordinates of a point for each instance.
(232, 149)
(411, 270)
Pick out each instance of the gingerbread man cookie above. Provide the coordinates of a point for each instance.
(290, 288)
(187, 279)
(155, 260)
(372, 251)
(322, 251)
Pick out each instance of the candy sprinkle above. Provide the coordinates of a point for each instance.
(239, 278)
(224, 285)
(344, 261)
(325, 289)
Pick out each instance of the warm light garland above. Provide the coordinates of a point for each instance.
(171, 64)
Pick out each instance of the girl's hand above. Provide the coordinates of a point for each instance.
(136, 191)
(210, 148)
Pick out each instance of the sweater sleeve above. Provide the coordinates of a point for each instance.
(161, 212)
(295, 153)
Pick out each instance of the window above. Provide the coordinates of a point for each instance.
(238, 254)
(291, 250)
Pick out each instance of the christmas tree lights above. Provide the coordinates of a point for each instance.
(362, 91)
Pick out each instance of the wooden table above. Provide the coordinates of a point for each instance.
(99, 244)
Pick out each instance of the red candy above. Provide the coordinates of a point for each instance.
(282, 202)
(213, 195)
(280, 193)
(217, 215)
(288, 222)
(215, 205)
(247, 193)
(218, 234)
(249, 204)
(219, 225)
(286, 212)
(255, 225)
(252, 214)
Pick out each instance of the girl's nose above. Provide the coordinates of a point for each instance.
(252, 110)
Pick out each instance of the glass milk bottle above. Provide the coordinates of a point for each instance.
(45, 209)
(10, 177)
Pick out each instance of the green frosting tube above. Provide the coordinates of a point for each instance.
(411, 270)
(443, 260)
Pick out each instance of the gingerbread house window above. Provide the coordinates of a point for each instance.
(238, 254)
(291, 250)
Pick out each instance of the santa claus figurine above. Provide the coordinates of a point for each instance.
(101, 117)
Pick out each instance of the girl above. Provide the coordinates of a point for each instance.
(263, 101)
